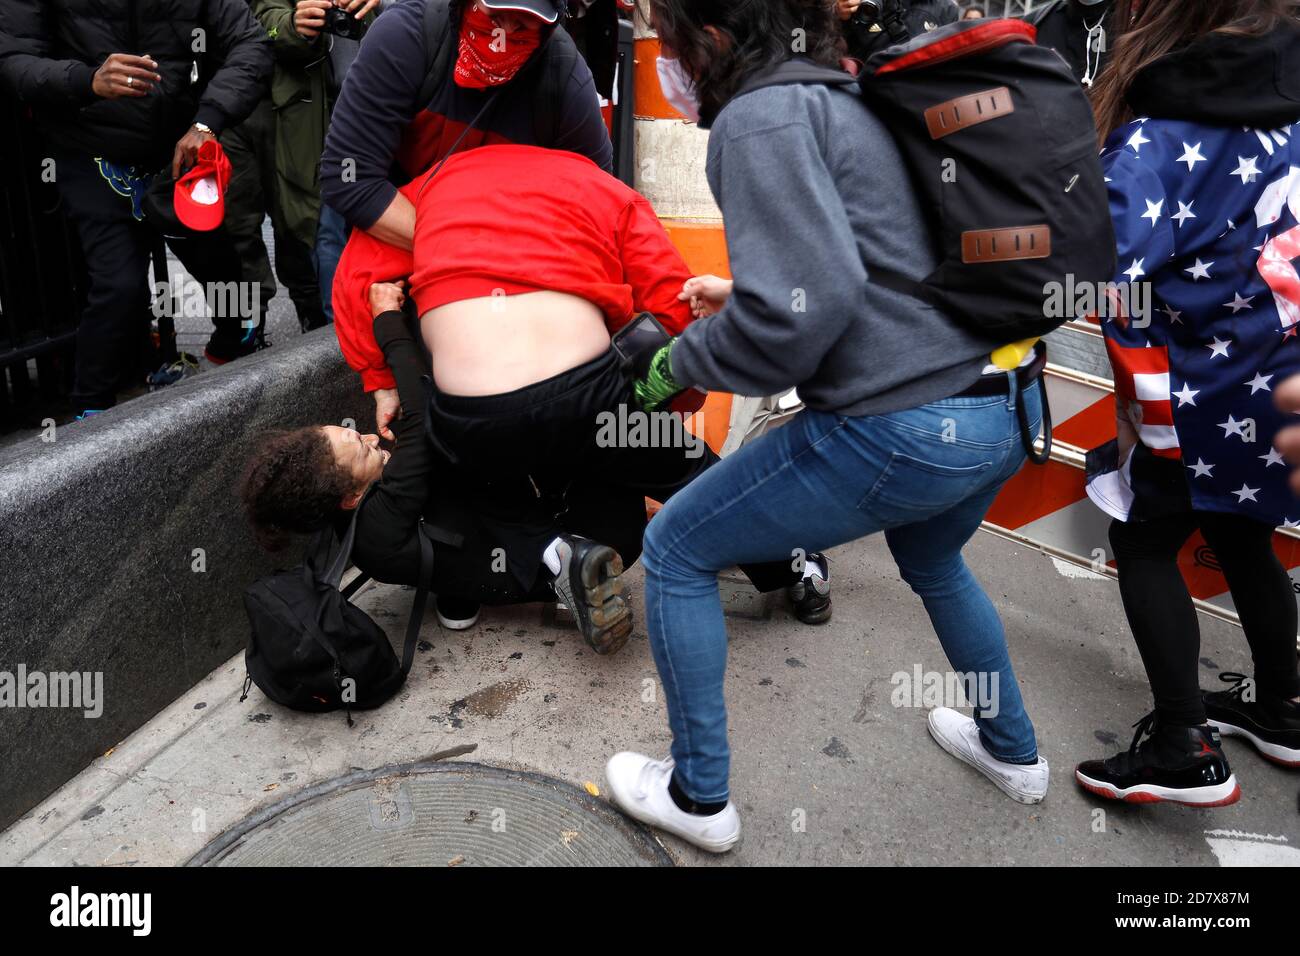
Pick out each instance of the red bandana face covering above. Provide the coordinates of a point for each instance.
(488, 55)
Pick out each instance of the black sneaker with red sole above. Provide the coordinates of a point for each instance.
(1270, 724)
(1172, 765)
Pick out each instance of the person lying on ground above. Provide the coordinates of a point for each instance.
(305, 479)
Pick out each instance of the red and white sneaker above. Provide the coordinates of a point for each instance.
(1172, 765)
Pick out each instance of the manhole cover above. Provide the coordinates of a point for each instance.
(435, 814)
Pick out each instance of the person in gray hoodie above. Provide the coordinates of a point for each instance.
(908, 429)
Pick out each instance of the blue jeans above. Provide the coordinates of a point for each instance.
(331, 237)
(925, 476)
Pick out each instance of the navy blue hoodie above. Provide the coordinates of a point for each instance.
(380, 136)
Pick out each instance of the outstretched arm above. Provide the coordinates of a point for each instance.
(387, 529)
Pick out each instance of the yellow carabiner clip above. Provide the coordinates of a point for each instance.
(1010, 356)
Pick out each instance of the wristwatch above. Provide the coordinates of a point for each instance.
(204, 128)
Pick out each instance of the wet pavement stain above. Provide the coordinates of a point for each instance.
(491, 701)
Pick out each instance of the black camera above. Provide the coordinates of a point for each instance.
(883, 16)
(343, 24)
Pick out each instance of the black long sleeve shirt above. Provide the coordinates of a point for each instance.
(386, 545)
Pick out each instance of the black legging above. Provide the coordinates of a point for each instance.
(1163, 619)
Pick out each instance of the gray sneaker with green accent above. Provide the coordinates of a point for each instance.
(589, 585)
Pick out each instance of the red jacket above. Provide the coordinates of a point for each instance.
(518, 219)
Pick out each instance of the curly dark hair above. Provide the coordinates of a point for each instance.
(292, 485)
(758, 34)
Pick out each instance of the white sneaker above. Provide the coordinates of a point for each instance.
(639, 787)
(456, 614)
(957, 734)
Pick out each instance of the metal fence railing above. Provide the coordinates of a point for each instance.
(42, 273)
(623, 135)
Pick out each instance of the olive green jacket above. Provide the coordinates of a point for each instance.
(300, 99)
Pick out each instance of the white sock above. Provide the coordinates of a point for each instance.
(551, 557)
(813, 568)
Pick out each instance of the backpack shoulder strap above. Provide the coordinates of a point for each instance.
(334, 574)
(797, 70)
(438, 45)
(425, 580)
(421, 599)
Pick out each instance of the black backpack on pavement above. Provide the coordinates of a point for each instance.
(311, 649)
(1001, 146)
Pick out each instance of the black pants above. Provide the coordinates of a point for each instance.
(113, 344)
(469, 569)
(251, 196)
(1163, 618)
(561, 438)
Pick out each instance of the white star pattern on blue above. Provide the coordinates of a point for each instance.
(1189, 203)
(1245, 493)
(1191, 156)
(1246, 169)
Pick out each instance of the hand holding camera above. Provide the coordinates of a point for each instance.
(342, 18)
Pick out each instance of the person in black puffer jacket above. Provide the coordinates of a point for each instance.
(126, 91)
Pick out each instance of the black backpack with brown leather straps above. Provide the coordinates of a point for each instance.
(1001, 147)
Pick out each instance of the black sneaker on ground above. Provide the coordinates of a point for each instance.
(1272, 725)
(456, 614)
(1174, 764)
(222, 348)
(589, 586)
(811, 597)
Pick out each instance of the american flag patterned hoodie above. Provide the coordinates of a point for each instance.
(1205, 195)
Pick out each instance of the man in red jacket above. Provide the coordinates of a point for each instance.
(525, 262)
(501, 231)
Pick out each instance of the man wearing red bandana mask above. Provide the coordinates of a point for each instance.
(490, 52)
(424, 77)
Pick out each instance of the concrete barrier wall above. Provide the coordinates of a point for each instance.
(124, 553)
